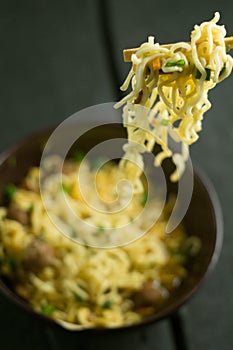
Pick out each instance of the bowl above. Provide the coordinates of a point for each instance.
(203, 217)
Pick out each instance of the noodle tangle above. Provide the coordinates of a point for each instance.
(169, 96)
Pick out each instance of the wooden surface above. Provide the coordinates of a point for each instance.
(53, 63)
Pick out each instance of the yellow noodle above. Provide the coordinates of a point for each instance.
(181, 93)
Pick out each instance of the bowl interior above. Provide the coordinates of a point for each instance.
(203, 217)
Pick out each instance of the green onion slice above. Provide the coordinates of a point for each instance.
(47, 309)
(179, 63)
(208, 73)
(107, 304)
(10, 191)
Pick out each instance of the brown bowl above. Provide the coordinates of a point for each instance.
(203, 217)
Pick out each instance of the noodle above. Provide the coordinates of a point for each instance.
(77, 284)
(174, 102)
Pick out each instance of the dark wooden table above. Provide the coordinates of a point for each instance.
(55, 59)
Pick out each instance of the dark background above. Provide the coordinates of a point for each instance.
(54, 61)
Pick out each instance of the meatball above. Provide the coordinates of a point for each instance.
(149, 295)
(38, 255)
(16, 213)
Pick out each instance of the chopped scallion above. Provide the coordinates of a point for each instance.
(164, 122)
(107, 304)
(144, 199)
(208, 73)
(228, 47)
(66, 188)
(179, 63)
(47, 309)
(101, 229)
(198, 74)
(79, 298)
(78, 156)
(31, 208)
(10, 191)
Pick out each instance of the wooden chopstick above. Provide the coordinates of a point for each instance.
(127, 53)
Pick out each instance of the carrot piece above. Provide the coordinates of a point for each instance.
(156, 65)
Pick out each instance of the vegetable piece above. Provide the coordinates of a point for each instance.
(67, 189)
(228, 47)
(191, 246)
(156, 64)
(79, 298)
(31, 208)
(198, 74)
(179, 63)
(47, 309)
(144, 199)
(208, 72)
(101, 229)
(164, 122)
(10, 191)
(78, 156)
(107, 304)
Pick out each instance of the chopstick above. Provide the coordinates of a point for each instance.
(127, 53)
